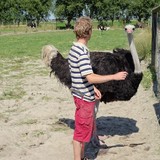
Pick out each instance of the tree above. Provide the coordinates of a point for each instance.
(113, 9)
(15, 10)
(10, 11)
(37, 9)
(93, 8)
(106, 9)
(68, 9)
(125, 13)
(142, 8)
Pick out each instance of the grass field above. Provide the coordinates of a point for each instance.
(30, 44)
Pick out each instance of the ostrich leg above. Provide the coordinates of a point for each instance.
(96, 139)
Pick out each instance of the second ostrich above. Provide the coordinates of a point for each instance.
(103, 63)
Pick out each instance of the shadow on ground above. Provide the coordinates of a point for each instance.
(109, 125)
(106, 126)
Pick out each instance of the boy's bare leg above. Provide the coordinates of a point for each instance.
(82, 150)
(77, 149)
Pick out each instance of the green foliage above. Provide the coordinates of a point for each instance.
(120, 9)
(16, 10)
(149, 76)
(142, 8)
(10, 11)
(36, 9)
(147, 79)
(69, 9)
(143, 43)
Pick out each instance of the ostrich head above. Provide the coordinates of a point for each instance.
(48, 53)
(129, 28)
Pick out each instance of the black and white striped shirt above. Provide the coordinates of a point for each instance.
(79, 63)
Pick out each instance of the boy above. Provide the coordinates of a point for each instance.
(83, 90)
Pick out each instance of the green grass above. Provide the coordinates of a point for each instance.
(143, 43)
(108, 40)
(12, 93)
(30, 45)
(147, 79)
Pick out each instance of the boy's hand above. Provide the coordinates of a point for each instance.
(98, 94)
(120, 75)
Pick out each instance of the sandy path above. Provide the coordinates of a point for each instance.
(29, 128)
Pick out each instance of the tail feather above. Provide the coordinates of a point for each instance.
(48, 53)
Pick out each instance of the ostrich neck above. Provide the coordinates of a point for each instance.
(134, 54)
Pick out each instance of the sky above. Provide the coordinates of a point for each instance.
(51, 16)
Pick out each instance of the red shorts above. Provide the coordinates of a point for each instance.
(84, 120)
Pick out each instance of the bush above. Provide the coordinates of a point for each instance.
(143, 44)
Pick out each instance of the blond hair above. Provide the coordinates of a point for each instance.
(82, 27)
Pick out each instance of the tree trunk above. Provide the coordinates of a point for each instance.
(38, 21)
(68, 25)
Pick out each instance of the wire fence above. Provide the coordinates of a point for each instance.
(156, 48)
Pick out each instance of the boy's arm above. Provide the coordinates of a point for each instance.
(95, 78)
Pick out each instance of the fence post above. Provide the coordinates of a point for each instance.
(156, 48)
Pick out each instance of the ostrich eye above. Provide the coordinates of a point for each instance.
(125, 29)
(133, 29)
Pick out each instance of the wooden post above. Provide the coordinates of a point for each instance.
(156, 48)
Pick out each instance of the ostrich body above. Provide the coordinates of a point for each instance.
(103, 63)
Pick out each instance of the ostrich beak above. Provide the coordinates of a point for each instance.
(129, 30)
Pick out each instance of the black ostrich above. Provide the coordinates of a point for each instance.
(103, 63)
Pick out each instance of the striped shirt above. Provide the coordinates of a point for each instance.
(79, 63)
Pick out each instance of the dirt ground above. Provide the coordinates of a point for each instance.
(39, 124)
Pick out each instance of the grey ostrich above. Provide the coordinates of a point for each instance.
(103, 63)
